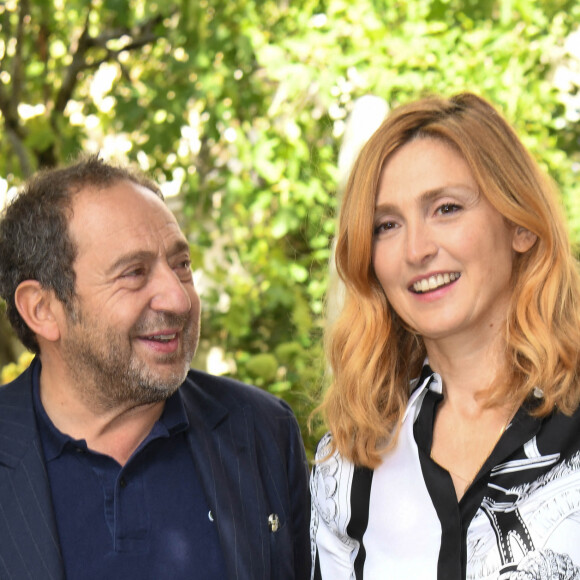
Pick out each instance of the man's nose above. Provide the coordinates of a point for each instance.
(169, 294)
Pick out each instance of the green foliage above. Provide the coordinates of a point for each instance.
(241, 106)
(10, 371)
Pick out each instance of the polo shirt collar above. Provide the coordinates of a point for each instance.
(173, 420)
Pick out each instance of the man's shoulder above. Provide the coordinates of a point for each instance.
(17, 422)
(230, 392)
(211, 400)
(17, 390)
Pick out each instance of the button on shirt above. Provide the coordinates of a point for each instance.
(147, 519)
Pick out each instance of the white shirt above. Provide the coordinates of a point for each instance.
(520, 519)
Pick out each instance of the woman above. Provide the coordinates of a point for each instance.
(454, 444)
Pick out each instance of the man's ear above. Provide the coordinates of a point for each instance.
(38, 306)
(523, 239)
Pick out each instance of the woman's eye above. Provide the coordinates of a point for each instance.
(384, 227)
(448, 208)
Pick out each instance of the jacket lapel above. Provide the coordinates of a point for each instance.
(29, 545)
(224, 451)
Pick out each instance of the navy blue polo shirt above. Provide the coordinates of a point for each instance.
(147, 519)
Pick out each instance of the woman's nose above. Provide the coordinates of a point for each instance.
(421, 244)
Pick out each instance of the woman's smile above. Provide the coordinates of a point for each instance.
(442, 253)
(434, 281)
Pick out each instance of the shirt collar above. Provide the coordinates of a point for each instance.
(53, 441)
(173, 420)
(427, 380)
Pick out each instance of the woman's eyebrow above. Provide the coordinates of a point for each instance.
(426, 197)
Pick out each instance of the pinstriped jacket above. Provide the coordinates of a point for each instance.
(251, 463)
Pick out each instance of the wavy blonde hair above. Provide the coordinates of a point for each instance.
(373, 355)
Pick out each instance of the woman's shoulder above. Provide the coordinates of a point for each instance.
(331, 485)
(325, 449)
(331, 479)
(330, 469)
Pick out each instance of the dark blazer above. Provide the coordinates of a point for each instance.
(250, 458)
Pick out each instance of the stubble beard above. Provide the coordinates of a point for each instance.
(110, 374)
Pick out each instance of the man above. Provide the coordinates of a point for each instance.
(116, 459)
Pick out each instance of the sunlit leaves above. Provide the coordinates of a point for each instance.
(242, 106)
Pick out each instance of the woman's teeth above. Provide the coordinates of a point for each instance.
(434, 282)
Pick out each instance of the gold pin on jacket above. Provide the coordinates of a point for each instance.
(273, 522)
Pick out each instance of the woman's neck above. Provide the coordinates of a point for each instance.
(468, 370)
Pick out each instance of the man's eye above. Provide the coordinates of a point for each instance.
(183, 270)
(184, 265)
(135, 273)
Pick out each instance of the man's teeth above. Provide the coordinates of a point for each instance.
(163, 337)
(434, 282)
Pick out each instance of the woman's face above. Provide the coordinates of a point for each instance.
(442, 253)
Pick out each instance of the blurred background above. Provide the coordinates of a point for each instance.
(249, 113)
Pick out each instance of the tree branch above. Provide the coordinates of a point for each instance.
(9, 100)
(20, 150)
(141, 36)
(17, 63)
(14, 130)
(77, 64)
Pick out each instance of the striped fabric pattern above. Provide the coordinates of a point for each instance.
(248, 451)
(519, 519)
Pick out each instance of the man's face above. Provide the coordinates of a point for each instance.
(135, 324)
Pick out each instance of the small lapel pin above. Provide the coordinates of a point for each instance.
(210, 516)
(273, 522)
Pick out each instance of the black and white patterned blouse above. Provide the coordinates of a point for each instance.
(519, 519)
